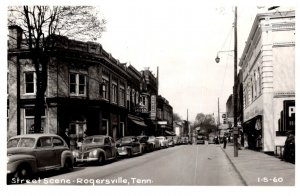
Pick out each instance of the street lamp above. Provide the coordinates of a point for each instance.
(217, 59)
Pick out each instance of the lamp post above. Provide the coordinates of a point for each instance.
(217, 59)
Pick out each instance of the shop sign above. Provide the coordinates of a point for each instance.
(289, 113)
(153, 107)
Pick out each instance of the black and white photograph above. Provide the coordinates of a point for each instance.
(139, 94)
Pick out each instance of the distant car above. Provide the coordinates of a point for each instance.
(163, 141)
(211, 140)
(96, 148)
(145, 146)
(184, 140)
(128, 146)
(170, 141)
(154, 142)
(31, 153)
(200, 139)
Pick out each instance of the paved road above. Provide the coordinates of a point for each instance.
(179, 165)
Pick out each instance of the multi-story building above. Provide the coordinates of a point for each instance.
(88, 91)
(164, 116)
(268, 65)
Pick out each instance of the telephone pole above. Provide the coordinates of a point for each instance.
(235, 129)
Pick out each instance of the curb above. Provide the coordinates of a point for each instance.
(234, 167)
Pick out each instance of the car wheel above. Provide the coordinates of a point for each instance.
(129, 154)
(23, 172)
(101, 159)
(68, 166)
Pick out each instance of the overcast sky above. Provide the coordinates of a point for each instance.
(182, 38)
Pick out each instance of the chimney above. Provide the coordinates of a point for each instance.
(14, 37)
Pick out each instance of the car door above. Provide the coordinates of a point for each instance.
(45, 154)
(136, 145)
(59, 147)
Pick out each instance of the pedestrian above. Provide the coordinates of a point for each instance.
(224, 141)
(289, 148)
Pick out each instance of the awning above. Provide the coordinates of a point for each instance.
(137, 120)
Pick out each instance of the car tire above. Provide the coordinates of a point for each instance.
(68, 165)
(101, 159)
(23, 172)
(129, 153)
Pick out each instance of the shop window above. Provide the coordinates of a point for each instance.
(30, 82)
(29, 121)
(105, 126)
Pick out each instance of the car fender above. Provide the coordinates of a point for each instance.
(65, 155)
(16, 160)
(100, 151)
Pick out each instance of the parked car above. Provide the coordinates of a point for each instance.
(211, 140)
(96, 148)
(200, 139)
(184, 140)
(170, 140)
(154, 143)
(31, 153)
(128, 146)
(145, 146)
(163, 141)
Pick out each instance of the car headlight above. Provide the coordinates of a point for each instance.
(93, 153)
(75, 153)
(123, 148)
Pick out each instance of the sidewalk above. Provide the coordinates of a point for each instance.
(259, 169)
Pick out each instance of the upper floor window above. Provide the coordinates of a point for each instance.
(105, 85)
(30, 82)
(77, 84)
(122, 95)
(114, 92)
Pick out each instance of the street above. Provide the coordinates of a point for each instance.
(180, 165)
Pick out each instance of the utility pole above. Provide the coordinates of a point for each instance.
(235, 129)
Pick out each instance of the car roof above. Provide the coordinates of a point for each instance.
(34, 135)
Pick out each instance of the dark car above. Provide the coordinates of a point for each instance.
(96, 148)
(200, 139)
(170, 141)
(129, 146)
(31, 153)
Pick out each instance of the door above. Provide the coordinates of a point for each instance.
(45, 153)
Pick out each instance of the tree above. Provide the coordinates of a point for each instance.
(40, 24)
(176, 117)
(206, 122)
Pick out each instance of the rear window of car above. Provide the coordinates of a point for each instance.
(58, 142)
(93, 140)
(21, 142)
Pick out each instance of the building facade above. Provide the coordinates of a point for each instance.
(268, 66)
(164, 117)
(88, 92)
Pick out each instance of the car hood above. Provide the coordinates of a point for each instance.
(17, 150)
(88, 147)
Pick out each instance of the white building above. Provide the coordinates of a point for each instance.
(268, 64)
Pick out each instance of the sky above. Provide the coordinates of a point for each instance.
(182, 38)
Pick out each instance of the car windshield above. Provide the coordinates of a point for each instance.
(93, 140)
(125, 139)
(21, 143)
(160, 138)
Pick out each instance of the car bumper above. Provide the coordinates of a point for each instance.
(122, 152)
(82, 160)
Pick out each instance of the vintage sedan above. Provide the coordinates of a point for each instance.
(96, 148)
(129, 146)
(163, 141)
(31, 153)
(170, 140)
(154, 142)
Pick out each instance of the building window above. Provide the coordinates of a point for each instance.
(77, 84)
(114, 91)
(105, 126)
(122, 129)
(122, 95)
(259, 81)
(104, 86)
(30, 82)
(29, 121)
